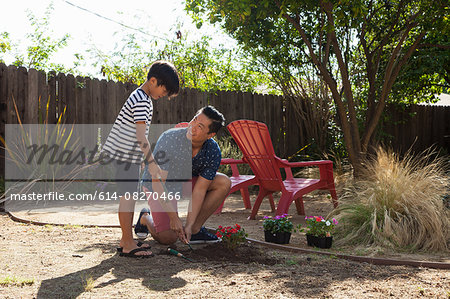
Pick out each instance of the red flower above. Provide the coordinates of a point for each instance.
(238, 226)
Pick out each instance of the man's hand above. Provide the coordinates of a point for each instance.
(177, 226)
(188, 233)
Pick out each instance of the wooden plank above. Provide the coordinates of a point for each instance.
(96, 102)
(111, 105)
(3, 115)
(43, 97)
(22, 90)
(292, 132)
(61, 106)
(72, 113)
(32, 98)
(52, 92)
(80, 100)
(104, 101)
(278, 124)
(120, 100)
(247, 106)
(11, 117)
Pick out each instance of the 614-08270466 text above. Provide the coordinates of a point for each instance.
(102, 196)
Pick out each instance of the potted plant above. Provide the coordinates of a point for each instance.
(277, 229)
(318, 231)
(232, 236)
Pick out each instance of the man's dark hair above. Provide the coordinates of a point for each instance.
(218, 121)
(166, 74)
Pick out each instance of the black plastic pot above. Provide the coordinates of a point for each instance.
(278, 237)
(320, 242)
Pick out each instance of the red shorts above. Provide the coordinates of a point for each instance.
(161, 220)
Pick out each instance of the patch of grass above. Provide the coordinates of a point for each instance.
(291, 262)
(15, 281)
(72, 226)
(88, 283)
(49, 227)
(397, 205)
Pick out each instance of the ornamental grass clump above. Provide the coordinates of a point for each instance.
(232, 236)
(398, 204)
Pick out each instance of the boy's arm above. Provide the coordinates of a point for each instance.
(198, 196)
(144, 145)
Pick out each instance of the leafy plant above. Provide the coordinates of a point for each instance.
(233, 236)
(278, 224)
(399, 205)
(319, 227)
(42, 171)
(230, 150)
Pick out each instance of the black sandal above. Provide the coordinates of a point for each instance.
(133, 254)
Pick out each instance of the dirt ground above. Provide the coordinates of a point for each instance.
(78, 262)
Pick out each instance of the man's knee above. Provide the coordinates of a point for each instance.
(223, 182)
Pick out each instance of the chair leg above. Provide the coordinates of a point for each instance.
(284, 203)
(262, 193)
(272, 204)
(333, 195)
(300, 206)
(246, 197)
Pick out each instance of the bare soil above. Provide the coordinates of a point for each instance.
(81, 262)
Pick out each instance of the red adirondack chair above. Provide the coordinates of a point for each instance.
(254, 141)
(241, 182)
(238, 181)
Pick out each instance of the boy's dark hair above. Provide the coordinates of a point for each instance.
(218, 121)
(166, 74)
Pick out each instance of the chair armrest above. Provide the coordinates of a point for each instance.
(229, 161)
(323, 165)
(285, 163)
(233, 163)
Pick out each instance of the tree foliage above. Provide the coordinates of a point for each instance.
(200, 65)
(41, 46)
(358, 48)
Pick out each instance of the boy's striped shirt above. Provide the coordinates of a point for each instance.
(121, 143)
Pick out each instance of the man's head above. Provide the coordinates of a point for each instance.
(206, 123)
(166, 75)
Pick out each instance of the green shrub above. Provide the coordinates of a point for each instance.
(230, 150)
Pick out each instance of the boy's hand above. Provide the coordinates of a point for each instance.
(156, 171)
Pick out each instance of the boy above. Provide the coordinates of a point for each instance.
(209, 188)
(128, 146)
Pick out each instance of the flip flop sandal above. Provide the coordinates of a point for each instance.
(133, 254)
(139, 228)
(138, 244)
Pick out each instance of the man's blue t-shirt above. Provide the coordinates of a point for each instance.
(173, 153)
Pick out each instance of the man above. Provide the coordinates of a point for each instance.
(209, 188)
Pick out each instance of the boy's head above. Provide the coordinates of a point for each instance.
(166, 75)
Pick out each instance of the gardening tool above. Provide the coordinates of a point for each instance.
(179, 254)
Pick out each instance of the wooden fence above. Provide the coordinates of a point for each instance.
(418, 127)
(93, 101)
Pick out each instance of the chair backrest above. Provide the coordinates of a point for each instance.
(253, 139)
